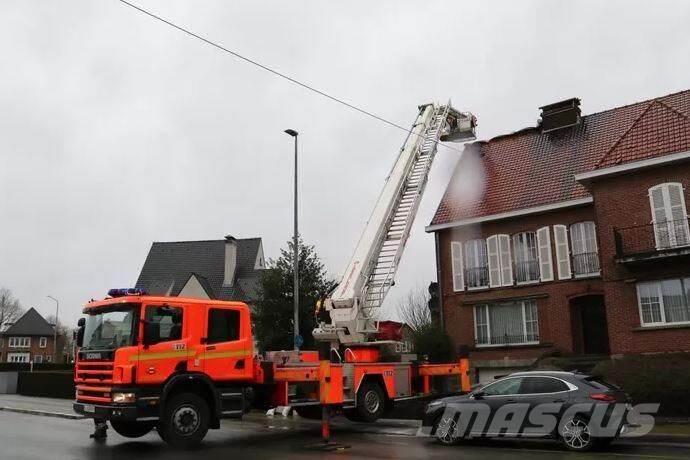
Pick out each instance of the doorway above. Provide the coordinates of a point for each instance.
(590, 330)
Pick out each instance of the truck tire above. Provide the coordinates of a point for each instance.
(370, 402)
(185, 421)
(132, 429)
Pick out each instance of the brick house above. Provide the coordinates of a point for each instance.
(30, 339)
(570, 237)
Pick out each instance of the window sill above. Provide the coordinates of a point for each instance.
(478, 288)
(588, 275)
(508, 347)
(661, 327)
(527, 283)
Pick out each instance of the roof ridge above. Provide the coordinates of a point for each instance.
(205, 241)
(652, 103)
(650, 100)
(622, 136)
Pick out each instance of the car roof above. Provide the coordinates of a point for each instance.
(544, 373)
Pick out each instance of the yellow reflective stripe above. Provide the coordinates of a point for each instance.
(159, 355)
(189, 353)
(225, 354)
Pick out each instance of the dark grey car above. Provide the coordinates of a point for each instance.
(577, 409)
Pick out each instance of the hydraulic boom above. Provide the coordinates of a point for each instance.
(353, 305)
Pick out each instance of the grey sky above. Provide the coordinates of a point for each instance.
(116, 131)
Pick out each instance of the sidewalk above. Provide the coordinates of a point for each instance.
(668, 431)
(38, 406)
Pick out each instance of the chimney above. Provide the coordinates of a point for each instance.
(560, 115)
(230, 260)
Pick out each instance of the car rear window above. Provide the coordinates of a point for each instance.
(599, 384)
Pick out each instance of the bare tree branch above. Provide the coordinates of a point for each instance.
(10, 308)
(414, 309)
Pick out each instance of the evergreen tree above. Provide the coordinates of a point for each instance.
(273, 315)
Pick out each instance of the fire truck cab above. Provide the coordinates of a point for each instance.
(176, 363)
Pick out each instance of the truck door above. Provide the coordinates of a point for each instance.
(165, 343)
(228, 347)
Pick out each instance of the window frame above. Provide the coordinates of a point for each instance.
(569, 386)
(583, 241)
(525, 250)
(13, 342)
(17, 355)
(236, 311)
(523, 308)
(42, 342)
(665, 189)
(476, 243)
(483, 389)
(662, 307)
(154, 306)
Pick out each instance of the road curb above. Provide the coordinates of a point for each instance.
(42, 413)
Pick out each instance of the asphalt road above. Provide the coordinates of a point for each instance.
(24, 436)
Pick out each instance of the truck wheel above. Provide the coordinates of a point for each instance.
(185, 421)
(132, 429)
(370, 402)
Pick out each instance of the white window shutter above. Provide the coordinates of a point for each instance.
(456, 263)
(678, 214)
(494, 261)
(506, 260)
(545, 257)
(560, 233)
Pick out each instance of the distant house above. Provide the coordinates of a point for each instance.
(227, 269)
(30, 339)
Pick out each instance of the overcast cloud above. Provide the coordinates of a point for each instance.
(116, 131)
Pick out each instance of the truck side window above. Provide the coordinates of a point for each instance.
(164, 324)
(223, 325)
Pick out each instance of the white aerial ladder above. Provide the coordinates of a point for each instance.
(354, 303)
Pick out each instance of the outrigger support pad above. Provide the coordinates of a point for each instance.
(100, 429)
(327, 445)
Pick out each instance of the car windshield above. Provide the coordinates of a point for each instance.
(110, 328)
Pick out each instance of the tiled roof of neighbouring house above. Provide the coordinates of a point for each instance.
(169, 265)
(31, 323)
(530, 168)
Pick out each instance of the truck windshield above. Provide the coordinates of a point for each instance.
(111, 328)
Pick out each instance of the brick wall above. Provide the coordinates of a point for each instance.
(34, 348)
(552, 298)
(623, 201)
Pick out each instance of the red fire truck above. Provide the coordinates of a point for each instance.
(182, 364)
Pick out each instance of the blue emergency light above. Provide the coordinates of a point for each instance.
(121, 292)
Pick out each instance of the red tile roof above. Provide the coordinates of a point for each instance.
(529, 168)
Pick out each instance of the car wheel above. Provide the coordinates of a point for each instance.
(130, 429)
(447, 431)
(575, 435)
(185, 421)
(370, 402)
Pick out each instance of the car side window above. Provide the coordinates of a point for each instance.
(223, 325)
(538, 385)
(505, 387)
(163, 323)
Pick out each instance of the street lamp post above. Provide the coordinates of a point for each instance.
(57, 311)
(295, 244)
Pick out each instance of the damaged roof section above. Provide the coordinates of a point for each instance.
(535, 167)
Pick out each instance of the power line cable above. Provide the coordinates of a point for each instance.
(277, 73)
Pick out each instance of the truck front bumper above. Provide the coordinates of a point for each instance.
(115, 412)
